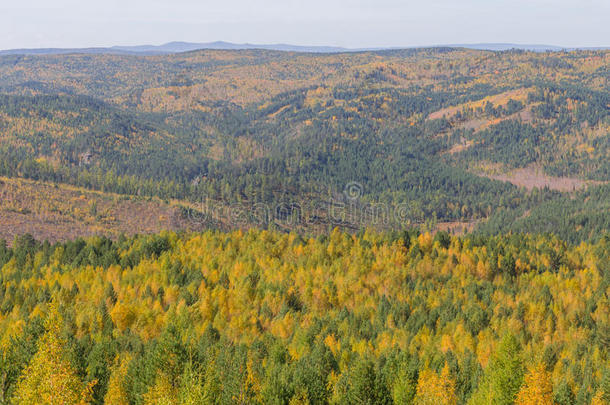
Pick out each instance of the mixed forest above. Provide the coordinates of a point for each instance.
(275, 318)
(425, 130)
(423, 226)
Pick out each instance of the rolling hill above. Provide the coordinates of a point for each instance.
(180, 46)
(426, 137)
(420, 226)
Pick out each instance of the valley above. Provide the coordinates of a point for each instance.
(413, 127)
(254, 226)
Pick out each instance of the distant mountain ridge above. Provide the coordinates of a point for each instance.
(177, 47)
(174, 47)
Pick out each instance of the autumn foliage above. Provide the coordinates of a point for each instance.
(266, 317)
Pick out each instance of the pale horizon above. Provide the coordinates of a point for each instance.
(348, 24)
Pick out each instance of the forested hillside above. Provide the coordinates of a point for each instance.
(275, 318)
(227, 227)
(425, 132)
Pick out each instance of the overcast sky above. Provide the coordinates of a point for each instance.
(353, 23)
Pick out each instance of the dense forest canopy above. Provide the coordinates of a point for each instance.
(275, 318)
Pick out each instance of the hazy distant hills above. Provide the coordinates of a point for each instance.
(177, 47)
(505, 47)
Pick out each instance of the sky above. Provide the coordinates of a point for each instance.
(352, 24)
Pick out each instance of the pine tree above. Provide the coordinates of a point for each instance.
(503, 378)
(564, 394)
(50, 378)
(405, 385)
(191, 387)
